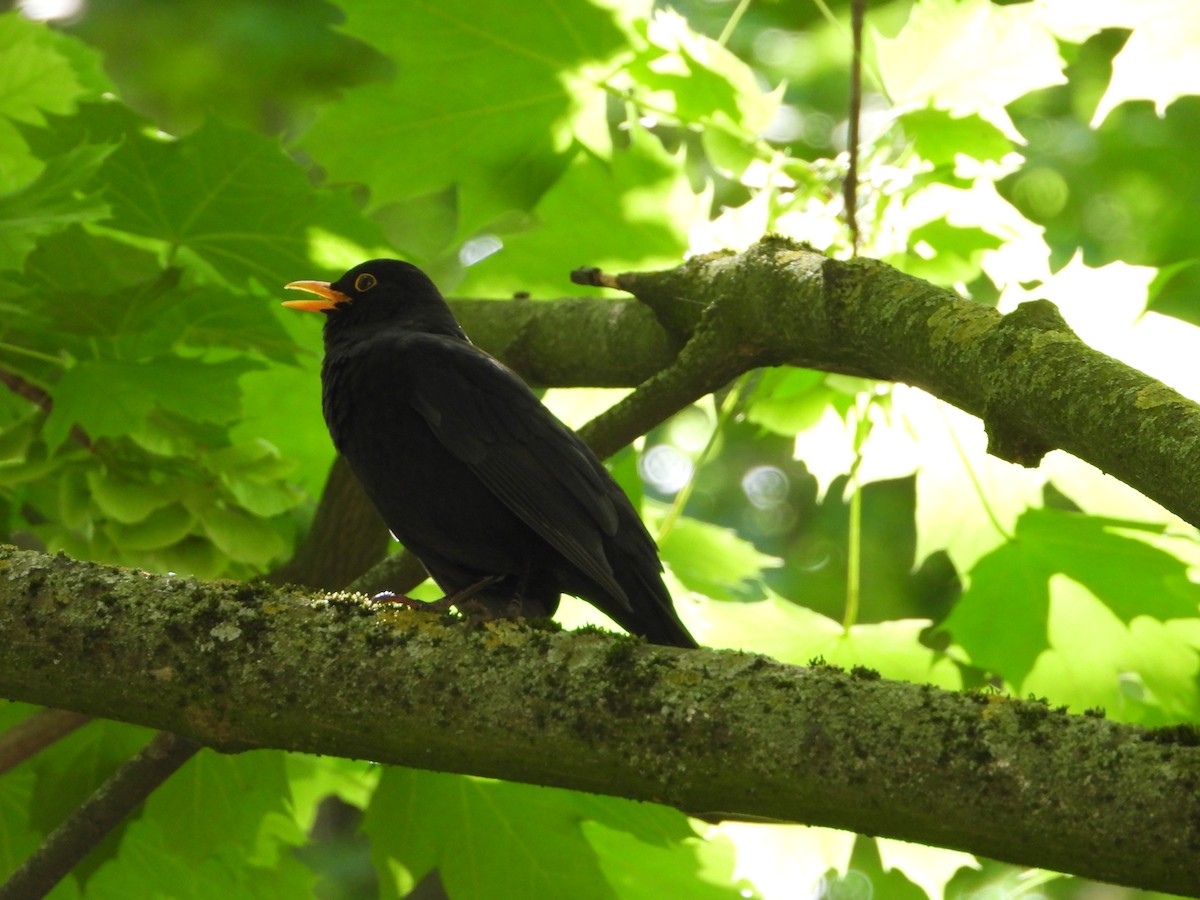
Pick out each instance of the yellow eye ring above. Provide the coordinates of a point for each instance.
(365, 282)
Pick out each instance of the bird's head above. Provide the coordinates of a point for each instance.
(377, 294)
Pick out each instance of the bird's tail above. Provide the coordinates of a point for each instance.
(653, 615)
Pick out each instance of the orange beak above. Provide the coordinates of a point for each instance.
(329, 297)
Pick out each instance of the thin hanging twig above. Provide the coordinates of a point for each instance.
(858, 10)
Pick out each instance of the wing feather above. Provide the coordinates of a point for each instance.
(485, 416)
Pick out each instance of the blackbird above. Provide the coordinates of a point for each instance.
(506, 506)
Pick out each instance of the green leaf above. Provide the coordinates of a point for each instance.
(939, 137)
(78, 764)
(231, 197)
(630, 213)
(88, 284)
(75, 509)
(240, 536)
(1001, 619)
(15, 437)
(713, 560)
(35, 79)
(1144, 671)
(283, 405)
(788, 400)
(1158, 62)
(126, 305)
(110, 399)
(641, 870)
(794, 634)
(697, 79)
(124, 500)
(148, 867)
(17, 839)
(969, 56)
(482, 99)
(944, 253)
(252, 472)
(420, 820)
(313, 778)
(54, 200)
(219, 800)
(164, 527)
(17, 471)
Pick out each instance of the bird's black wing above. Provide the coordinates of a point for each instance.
(485, 416)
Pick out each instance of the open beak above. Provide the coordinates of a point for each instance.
(329, 297)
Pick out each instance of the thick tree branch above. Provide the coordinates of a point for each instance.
(237, 666)
(1034, 383)
(575, 342)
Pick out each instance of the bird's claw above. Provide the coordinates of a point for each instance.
(460, 599)
(432, 606)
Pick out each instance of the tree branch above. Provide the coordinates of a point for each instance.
(1034, 383)
(240, 666)
(36, 733)
(120, 795)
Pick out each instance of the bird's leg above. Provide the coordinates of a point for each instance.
(456, 599)
(460, 597)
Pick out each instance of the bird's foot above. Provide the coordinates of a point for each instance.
(432, 606)
(460, 599)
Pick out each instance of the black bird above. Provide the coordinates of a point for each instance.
(503, 503)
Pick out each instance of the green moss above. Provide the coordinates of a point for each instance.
(1185, 734)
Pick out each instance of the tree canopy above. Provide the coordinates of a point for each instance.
(877, 451)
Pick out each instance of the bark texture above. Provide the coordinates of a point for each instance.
(719, 734)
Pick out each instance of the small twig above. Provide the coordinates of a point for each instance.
(591, 276)
(40, 398)
(40, 730)
(74, 838)
(858, 9)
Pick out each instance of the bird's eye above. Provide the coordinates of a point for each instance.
(365, 282)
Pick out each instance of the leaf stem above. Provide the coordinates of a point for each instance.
(853, 548)
(732, 24)
(724, 411)
(33, 354)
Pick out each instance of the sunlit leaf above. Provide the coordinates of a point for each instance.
(939, 137)
(697, 79)
(1001, 619)
(1159, 61)
(797, 635)
(1142, 671)
(630, 213)
(968, 56)
(481, 99)
(712, 560)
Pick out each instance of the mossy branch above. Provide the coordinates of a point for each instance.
(238, 667)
